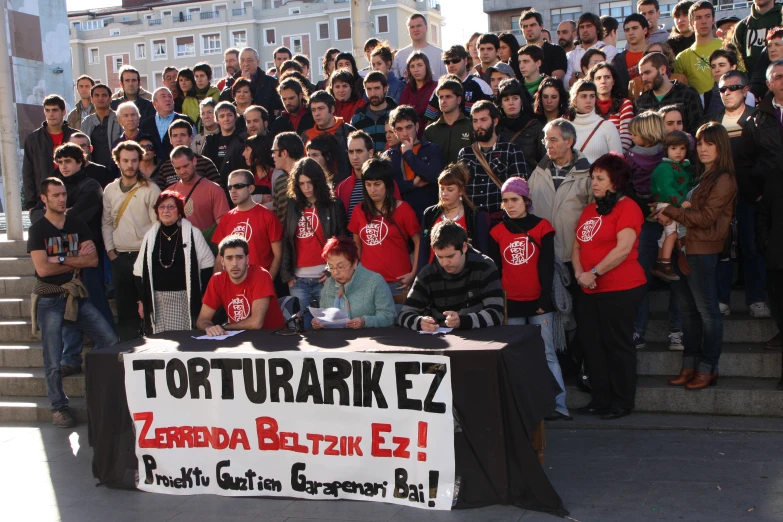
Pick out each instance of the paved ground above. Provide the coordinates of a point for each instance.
(602, 475)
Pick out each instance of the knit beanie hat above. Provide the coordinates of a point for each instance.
(518, 186)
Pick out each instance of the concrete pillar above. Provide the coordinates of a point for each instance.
(360, 15)
(9, 138)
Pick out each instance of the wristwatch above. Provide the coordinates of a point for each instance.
(595, 272)
(61, 260)
(223, 326)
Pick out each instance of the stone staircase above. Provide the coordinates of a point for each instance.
(748, 372)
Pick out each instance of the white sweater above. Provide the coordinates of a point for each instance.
(605, 139)
(137, 219)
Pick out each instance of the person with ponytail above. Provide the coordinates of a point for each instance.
(606, 266)
(523, 248)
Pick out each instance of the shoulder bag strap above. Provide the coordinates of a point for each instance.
(582, 148)
(191, 190)
(128, 197)
(483, 161)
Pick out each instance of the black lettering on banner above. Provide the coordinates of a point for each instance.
(401, 369)
(149, 466)
(357, 382)
(336, 371)
(438, 371)
(176, 366)
(309, 385)
(198, 373)
(371, 375)
(280, 380)
(255, 388)
(226, 367)
(149, 366)
(298, 480)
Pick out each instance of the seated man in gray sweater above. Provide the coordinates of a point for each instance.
(459, 289)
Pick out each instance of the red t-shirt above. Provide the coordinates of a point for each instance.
(520, 260)
(461, 222)
(384, 244)
(259, 226)
(632, 61)
(309, 239)
(597, 236)
(57, 140)
(237, 300)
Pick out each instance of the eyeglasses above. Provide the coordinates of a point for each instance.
(238, 186)
(167, 207)
(339, 268)
(550, 140)
(277, 151)
(148, 147)
(452, 61)
(732, 88)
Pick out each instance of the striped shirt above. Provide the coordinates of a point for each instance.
(622, 120)
(357, 196)
(475, 293)
(167, 176)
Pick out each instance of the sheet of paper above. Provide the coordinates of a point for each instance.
(232, 333)
(441, 330)
(330, 317)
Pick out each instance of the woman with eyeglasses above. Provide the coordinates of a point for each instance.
(360, 293)
(149, 162)
(172, 269)
(313, 217)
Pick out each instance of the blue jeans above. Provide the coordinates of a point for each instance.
(53, 328)
(701, 319)
(545, 322)
(93, 280)
(753, 265)
(308, 291)
(648, 255)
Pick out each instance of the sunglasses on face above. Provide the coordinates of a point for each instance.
(452, 61)
(238, 186)
(148, 147)
(732, 88)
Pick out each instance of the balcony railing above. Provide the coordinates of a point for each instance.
(182, 18)
(156, 21)
(210, 14)
(239, 12)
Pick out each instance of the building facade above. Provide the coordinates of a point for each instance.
(152, 35)
(504, 14)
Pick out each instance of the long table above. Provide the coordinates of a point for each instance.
(502, 388)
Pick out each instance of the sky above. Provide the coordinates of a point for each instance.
(463, 17)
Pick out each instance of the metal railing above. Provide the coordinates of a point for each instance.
(155, 21)
(210, 14)
(182, 18)
(239, 12)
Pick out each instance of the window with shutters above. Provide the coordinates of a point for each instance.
(270, 37)
(93, 55)
(343, 26)
(141, 51)
(239, 39)
(185, 46)
(323, 30)
(382, 24)
(159, 49)
(210, 44)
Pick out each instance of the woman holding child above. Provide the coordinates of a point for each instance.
(705, 215)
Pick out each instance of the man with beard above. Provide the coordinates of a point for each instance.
(504, 160)
(256, 120)
(243, 290)
(372, 118)
(660, 92)
(554, 63)
(474, 89)
(591, 30)
(263, 87)
(128, 213)
(102, 126)
(453, 131)
(566, 34)
(296, 117)
(230, 65)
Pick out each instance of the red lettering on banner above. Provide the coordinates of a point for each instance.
(353, 446)
(332, 440)
(377, 440)
(239, 437)
(315, 439)
(401, 451)
(298, 448)
(188, 436)
(145, 416)
(267, 433)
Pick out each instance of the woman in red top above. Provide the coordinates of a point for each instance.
(610, 104)
(420, 85)
(258, 156)
(342, 87)
(524, 251)
(606, 266)
(382, 227)
(312, 217)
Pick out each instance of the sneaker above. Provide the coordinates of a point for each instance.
(67, 371)
(724, 309)
(759, 310)
(665, 271)
(63, 419)
(675, 341)
(638, 341)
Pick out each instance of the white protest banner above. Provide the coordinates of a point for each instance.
(314, 425)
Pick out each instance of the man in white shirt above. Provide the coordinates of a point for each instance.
(591, 32)
(417, 29)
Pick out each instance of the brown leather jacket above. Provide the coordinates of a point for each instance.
(712, 206)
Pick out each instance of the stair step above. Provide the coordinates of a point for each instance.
(16, 285)
(13, 248)
(13, 266)
(30, 382)
(28, 355)
(36, 409)
(736, 360)
(659, 300)
(737, 328)
(19, 306)
(17, 329)
(731, 396)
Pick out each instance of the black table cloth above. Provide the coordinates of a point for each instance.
(501, 388)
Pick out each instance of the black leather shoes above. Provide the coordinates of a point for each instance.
(591, 410)
(556, 415)
(615, 413)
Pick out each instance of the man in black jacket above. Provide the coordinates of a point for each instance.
(225, 148)
(296, 117)
(39, 148)
(130, 79)
(157, 126)
(262, 86)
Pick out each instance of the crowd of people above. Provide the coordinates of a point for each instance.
(552, 183)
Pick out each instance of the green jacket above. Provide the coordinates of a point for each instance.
(751, 32)
(671, 181)
(190, 106)
(369, 297)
